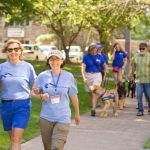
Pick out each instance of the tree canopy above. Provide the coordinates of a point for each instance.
(68, 17)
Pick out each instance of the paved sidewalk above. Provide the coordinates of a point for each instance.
(125, 132)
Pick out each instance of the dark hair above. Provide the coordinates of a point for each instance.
(143, 45)
(47, 63)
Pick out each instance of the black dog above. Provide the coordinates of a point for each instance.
(131, 87)
(121, 89)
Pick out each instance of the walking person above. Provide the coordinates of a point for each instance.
(140, 64)
(119, 58)
(100, 51)
(16, 76)
(91, 69)
(54, 87)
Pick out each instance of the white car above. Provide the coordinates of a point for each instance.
(33, 52)
(75, 52)
(48, 48)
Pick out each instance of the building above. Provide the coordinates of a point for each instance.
(26, 32)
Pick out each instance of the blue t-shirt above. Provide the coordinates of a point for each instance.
(16, 80)
(118, 59)
(63, 86)
(94, 63)
(105, 59)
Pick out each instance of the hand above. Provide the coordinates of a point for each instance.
(123, 67)
(36, 90)
(85, 80)
(77, 119)
(45, 96)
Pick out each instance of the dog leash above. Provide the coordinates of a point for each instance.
(105, 81)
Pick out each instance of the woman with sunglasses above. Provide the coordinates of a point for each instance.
(56, 87)
(119, 58)
(16, 77)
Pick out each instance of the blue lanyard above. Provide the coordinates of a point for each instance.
(55, 84)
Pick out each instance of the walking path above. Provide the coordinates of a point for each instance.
(125, 132)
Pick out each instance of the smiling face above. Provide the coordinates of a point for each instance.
(13, 52)
(55, 62)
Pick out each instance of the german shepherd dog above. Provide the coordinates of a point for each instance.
(121, 89)
(109, 97)
(131, 87)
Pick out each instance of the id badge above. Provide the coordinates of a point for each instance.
(55, 99)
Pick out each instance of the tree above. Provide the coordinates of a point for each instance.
(105, 16)
(63, 17)
(16, 10)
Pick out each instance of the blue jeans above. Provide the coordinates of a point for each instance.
(142, 88)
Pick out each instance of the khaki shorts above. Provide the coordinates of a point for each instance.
(93, 79)
(54, 134)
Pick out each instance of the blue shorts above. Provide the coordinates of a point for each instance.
(15, 114)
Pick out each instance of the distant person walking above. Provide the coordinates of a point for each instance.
(55, 87)
(140, 64)
(16, 77)
(119, 58)
(91, 70)
(100, 50)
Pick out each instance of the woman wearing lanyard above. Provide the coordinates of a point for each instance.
(55, 87)
(16, 77)
(91, 69)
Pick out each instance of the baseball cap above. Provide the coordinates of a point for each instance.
(56, 53)
(99, 45)
(92, 46)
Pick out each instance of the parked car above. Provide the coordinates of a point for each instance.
(48, 48)
(75, 52)
(33, 52)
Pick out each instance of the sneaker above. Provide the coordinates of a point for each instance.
(140, 114)
(93, 112)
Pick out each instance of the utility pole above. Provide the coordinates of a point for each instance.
(127, 48)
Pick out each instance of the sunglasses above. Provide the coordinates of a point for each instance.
(16, 49)
(142, 48)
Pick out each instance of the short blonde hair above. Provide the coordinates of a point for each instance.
(11, 41)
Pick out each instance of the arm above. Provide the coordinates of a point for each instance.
(83, 67)
(36, 93)
(105, 69)
(113, 54)
(75, 102)
(132, 68)
(125, 63)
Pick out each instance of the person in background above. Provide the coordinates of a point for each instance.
(54, 86)
(119, 61)
(100, 51)
(91, 69)
(140, 64)
(16, 77)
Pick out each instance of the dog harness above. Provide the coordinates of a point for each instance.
(110, 96)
